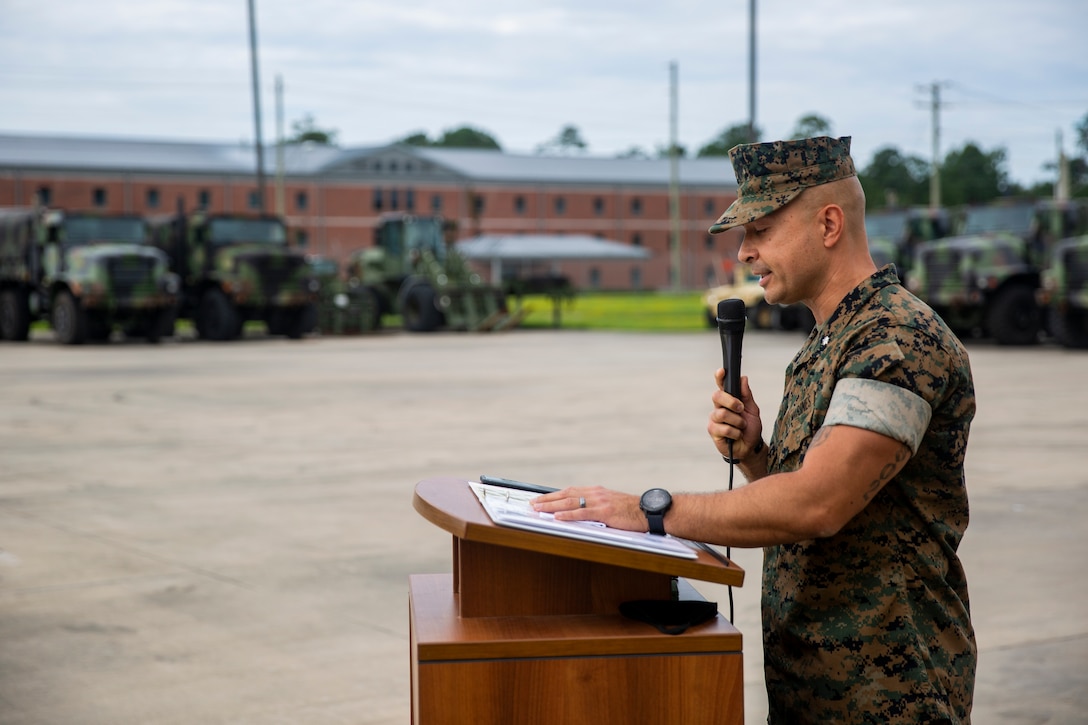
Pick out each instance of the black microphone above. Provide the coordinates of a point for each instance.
(731, 328)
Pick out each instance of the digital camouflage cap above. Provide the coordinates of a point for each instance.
(769, 175)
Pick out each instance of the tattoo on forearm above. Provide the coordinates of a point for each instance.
(886, 473)
(819, 437)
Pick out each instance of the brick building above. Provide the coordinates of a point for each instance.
(331, 197)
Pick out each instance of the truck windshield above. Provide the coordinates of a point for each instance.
(425, 235)
(79, 231)
(1014, 219)
(886, 226)
(234, 231)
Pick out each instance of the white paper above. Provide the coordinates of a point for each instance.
(511, 507)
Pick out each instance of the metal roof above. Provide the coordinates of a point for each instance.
(483, 166)
(547, 247)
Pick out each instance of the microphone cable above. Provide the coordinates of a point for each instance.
(728, 549)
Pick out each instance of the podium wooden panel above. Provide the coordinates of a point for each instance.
(526, 629)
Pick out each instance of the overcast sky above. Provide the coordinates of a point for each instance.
(1013, 74)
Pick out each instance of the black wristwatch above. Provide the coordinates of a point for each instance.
(654, 504)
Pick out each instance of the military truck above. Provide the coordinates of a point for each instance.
(1064, 293)
(984, 280)
(414, 272)
(85, 273)
(234, 268)
(894, 233)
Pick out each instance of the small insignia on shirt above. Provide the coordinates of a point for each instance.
(827, 339)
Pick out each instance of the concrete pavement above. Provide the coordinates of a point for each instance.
(222, 533)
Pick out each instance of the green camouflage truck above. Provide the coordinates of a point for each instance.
(413, 271)
(235, 268)
(84, 272)
(984, 280)
(1064, 294)
(894, 233)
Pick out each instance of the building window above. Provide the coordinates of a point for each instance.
(302, 200)
(302, 239)
(636, 206)
(560, 205)
(204, 199)
(636, 239)
(45, 195)
(410, 199)
(376, 204)
(436, 203)
(519, 205)
(710, 242)
(636, 278)
(394, 200)
(711, 277)
(708, 207)
(392, 165)
(478, 203)
(98, 196)
(152, 198)
(254, 199)
(594, 278)
(598, 206)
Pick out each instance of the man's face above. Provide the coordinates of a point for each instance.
(782, 248)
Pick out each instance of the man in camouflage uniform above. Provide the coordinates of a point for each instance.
(859, 498)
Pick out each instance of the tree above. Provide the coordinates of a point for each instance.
(811, 125)
(892, 179)
(568, 141)
(465, 137)
(728, 138)
(416, 139)
(972, 176)
(635, 152)
(306, 130)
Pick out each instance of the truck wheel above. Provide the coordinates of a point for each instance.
(14, 315)
(216, 317)
(69, 319)
(1014, 318)
(1070, 328)
(417, 308)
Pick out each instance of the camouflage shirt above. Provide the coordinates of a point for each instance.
(872, 625)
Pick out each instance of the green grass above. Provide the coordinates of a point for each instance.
(637, 311)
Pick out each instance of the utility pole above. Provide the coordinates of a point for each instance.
(281, 203)
(935, 122)
(674, 182)
(256, 105)
(752, 72)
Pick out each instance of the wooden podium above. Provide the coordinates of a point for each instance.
(526, 629)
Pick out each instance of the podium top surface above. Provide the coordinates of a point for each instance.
(450, 504)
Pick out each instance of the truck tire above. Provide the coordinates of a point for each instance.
(1014, 318)
(14, 315)
(417, 308)
(217, 319)
(69, 319)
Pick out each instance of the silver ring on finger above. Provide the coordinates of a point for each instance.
(581, 502)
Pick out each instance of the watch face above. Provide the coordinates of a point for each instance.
(656, 500)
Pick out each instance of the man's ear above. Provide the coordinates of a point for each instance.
(832, 224)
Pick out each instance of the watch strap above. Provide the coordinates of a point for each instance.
(657, 523)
